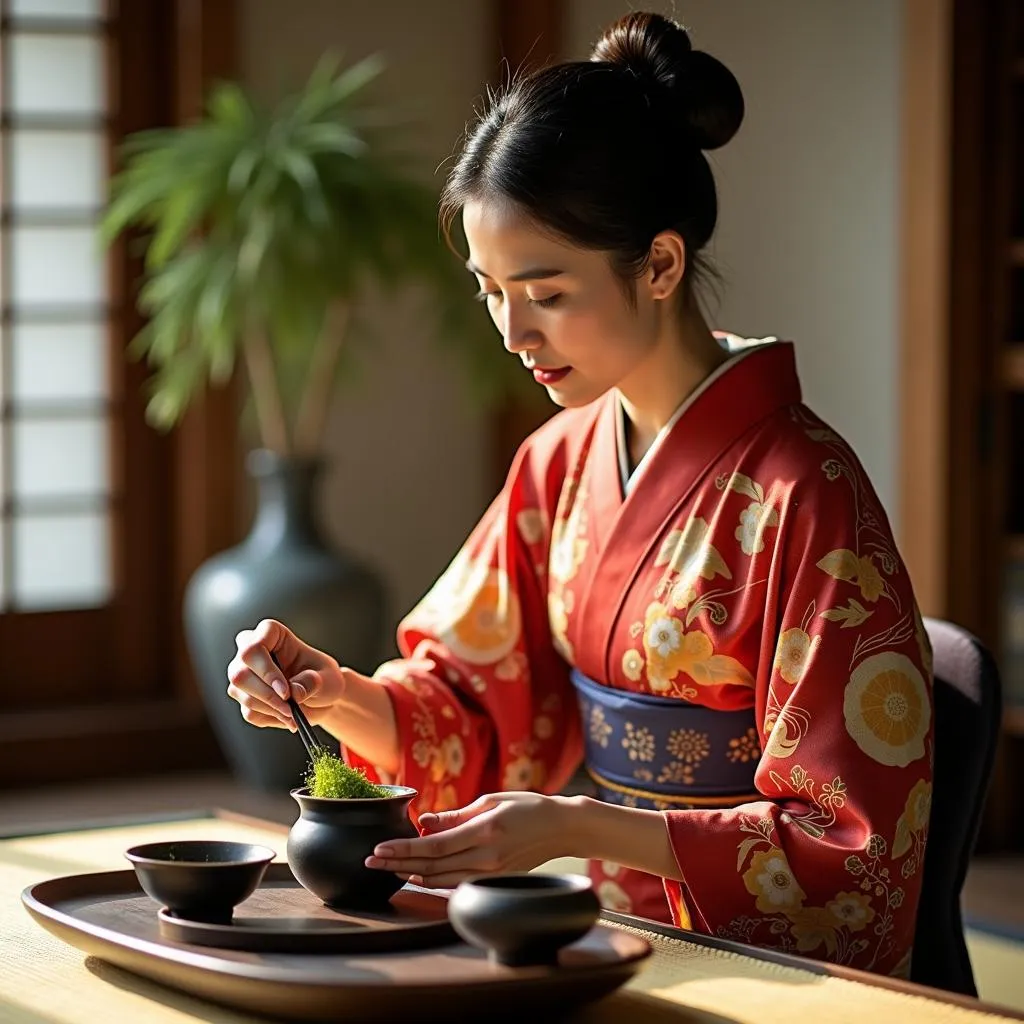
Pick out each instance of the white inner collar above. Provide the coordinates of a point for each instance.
(629, 478)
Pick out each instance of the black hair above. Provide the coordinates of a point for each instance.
(607, 153)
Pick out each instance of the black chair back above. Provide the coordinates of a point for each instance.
(968, 709)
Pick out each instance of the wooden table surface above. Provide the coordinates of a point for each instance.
(688, 978)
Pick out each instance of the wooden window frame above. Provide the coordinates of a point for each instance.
(131, 706)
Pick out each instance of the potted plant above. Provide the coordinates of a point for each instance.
(342, 818)
(260, 231)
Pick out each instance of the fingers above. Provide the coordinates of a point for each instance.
(473, 844)
(444, 820)
(254, 696)
(478, 861)
(307, 686)
(258, 714)
(397, 854)
(448, 880)
(253, 651)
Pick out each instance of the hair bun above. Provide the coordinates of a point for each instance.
(656, 48)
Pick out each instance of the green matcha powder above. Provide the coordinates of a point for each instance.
(329, 777)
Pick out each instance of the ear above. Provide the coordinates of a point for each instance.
(667, 265)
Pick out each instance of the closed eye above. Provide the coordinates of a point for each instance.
(545, 303)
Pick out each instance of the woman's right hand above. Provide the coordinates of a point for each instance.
(312, 677)
(353, 708)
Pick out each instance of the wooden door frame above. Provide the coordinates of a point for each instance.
(924, 300)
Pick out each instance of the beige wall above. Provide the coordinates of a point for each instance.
(409, 452)
(807, 239)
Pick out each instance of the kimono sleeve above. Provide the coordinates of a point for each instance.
(482, 699)
(829, 864)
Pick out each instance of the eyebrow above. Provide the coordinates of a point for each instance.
(530, 274)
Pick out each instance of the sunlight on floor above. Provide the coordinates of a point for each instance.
(998, 969)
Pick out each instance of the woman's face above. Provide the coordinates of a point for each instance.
(560, 309)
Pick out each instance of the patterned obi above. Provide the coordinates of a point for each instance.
(662, 752)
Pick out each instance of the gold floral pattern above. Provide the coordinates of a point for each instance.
(682, 594)
(454, 754)
(511, 668)
(771, 880)
(613, 897)
(869, 579)
(484, 623)
(852, 614)
(757, 517)
(600, 730)
(887, 709)
(847, 925)
(558, 621)
(671, 650)
(851, 910)
(664, 637)
(744, 748)
(814, 927)
(689, 553)
(568, 548)
(569, 543)
(677, 773)
(688, 745)
(913, 822)
(793, 654)
(523, 773)
(754, 520)
(447, 798)
(784, 730)
(639, 743)
(843, 564)
(632, 665)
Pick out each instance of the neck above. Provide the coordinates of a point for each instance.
(683, 357)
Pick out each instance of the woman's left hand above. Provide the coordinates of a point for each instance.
(499, 832)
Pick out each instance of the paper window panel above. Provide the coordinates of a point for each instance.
(56, 171)
(60, 561)
(55, 75)
(59, 459)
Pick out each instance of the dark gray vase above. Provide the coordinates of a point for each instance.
(283, 570)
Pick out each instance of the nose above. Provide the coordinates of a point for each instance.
(517, 331)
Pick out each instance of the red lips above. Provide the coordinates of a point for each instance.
(553, 376)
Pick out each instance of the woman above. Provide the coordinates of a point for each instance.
(687, 580)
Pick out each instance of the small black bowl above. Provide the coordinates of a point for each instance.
(200, 879)
(523, 919)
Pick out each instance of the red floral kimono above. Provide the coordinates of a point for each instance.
(748, 580)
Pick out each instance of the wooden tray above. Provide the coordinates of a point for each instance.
(282, 917)
(107, 915)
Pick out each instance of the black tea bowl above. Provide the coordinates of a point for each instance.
(523, 919)
(332, 837)
(200, 879)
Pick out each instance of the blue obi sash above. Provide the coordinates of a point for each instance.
(662, 752)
